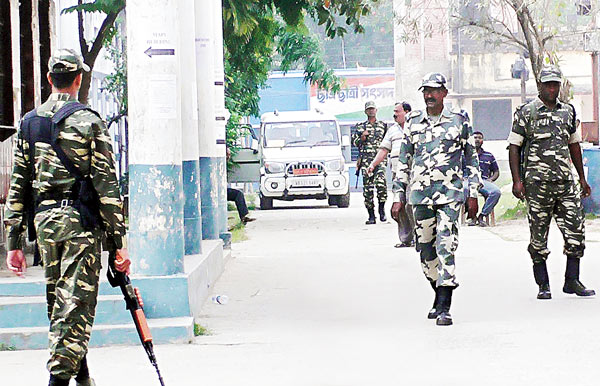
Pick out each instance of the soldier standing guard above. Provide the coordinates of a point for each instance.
(367, 139)
(436, 139)
(70, 247)
(542, 144)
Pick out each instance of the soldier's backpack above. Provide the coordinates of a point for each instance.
(83, 196)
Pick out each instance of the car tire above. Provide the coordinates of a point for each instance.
(343, 201)
(332, 200)
(266, 203)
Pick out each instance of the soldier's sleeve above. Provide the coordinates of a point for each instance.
(104, 178)
(356, 136)
(14, 213)
(403, 166)
(575, 135)
(473, 174)
(517, 134)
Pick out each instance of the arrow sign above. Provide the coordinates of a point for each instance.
(159, 51)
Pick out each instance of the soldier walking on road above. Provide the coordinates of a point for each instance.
(542, 145)
(68, 239)
(391, 145)
(367, 139)
(436, 141)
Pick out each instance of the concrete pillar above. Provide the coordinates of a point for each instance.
(156, 233)
(221, 116)
(192, 220)
(211, 165)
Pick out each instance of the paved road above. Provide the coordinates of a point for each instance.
(317, 298)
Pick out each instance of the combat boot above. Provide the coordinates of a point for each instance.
(382, 212)
(433, 312)
(540, 273)
(56, 381)
(572, 283)
(444, 301)
(87, 382)
(371, 219)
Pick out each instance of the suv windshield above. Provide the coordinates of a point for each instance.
(289, 134)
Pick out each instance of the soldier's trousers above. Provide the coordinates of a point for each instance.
(562, 202)
(436, 229)
(375, 181)
(72, 266)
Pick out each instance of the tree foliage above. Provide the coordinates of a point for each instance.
(90, 50)
(537, 28)
(256, 32)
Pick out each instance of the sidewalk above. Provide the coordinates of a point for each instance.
(318, 298)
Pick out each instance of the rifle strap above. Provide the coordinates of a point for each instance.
(64, 112)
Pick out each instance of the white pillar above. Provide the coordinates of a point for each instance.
(221, 115)
(210, 163)
(189, 122)
(156, 240)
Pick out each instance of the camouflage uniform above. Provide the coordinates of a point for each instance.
(71, 255)
(436, 185)
(368, 151)
(392, 142)
(550, 189)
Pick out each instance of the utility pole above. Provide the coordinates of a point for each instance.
(523, 86)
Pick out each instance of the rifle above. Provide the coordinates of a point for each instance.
(357, 172)
(134, 304)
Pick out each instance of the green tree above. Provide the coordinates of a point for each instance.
(257, 32)
(91, 49)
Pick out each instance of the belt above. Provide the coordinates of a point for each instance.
(60, 204)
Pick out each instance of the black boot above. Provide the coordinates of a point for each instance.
(371, 219)
(572, 283)
(540, 273)
(382, 212)
(84, 373)
(55, 381)
(444, 301)
(433, 312)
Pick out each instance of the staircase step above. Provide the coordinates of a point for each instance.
(31, 311)
(167, 330)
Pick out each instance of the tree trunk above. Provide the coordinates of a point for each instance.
(90, 55)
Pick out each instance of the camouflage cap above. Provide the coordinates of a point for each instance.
(433, 79)
(550, 74)
(66, 60)
(370, 104)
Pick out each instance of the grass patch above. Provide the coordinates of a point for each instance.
(7, 347)
(200, 330)
(516, 212)
(591, 216)
(251, 200)
(235, 226)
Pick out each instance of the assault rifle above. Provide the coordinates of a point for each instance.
(135, 304)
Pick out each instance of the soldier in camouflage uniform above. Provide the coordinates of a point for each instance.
(391, 145)
(542, 144)
(367, 138)
(71, 255)
(437, 139)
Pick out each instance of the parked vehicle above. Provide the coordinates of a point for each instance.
(298, 156)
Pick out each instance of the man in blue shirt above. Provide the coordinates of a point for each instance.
(489, 173)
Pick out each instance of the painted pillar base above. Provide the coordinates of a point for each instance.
(156, 241)
(214, 220)
(192, 220)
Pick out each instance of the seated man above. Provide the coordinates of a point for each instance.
(489, 173)
(237, 196)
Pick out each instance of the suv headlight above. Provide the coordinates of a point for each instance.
(274, 167)
(336, 164)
